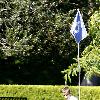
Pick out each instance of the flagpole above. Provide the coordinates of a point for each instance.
(79, 32)
(79, 70)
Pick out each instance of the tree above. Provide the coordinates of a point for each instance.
(90, 58)
(35, 41)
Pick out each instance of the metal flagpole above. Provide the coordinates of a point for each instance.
(79, 32)
(79, 70)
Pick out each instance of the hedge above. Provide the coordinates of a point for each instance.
(46, 92)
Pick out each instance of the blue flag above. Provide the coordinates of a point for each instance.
(78, 29)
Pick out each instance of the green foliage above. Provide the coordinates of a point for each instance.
(36, 26)
(31, 92)
(71, 71)
(14, 33)
(35, 40)
(91, 55)
(90, 93)
(35, 34)
(90, 60)
(41, 92)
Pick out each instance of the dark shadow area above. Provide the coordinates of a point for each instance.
(13, 98)
(93, 81)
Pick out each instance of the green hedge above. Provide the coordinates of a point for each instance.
(47, 92)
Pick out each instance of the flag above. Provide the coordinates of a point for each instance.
(78, 29)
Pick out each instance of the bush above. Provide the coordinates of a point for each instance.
(47, 92)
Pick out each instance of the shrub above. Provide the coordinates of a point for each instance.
(47, 92)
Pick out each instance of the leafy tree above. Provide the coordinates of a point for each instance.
(35, 43)
(90, 58)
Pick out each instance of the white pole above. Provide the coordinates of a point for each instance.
(65, 82)
(79, 70)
